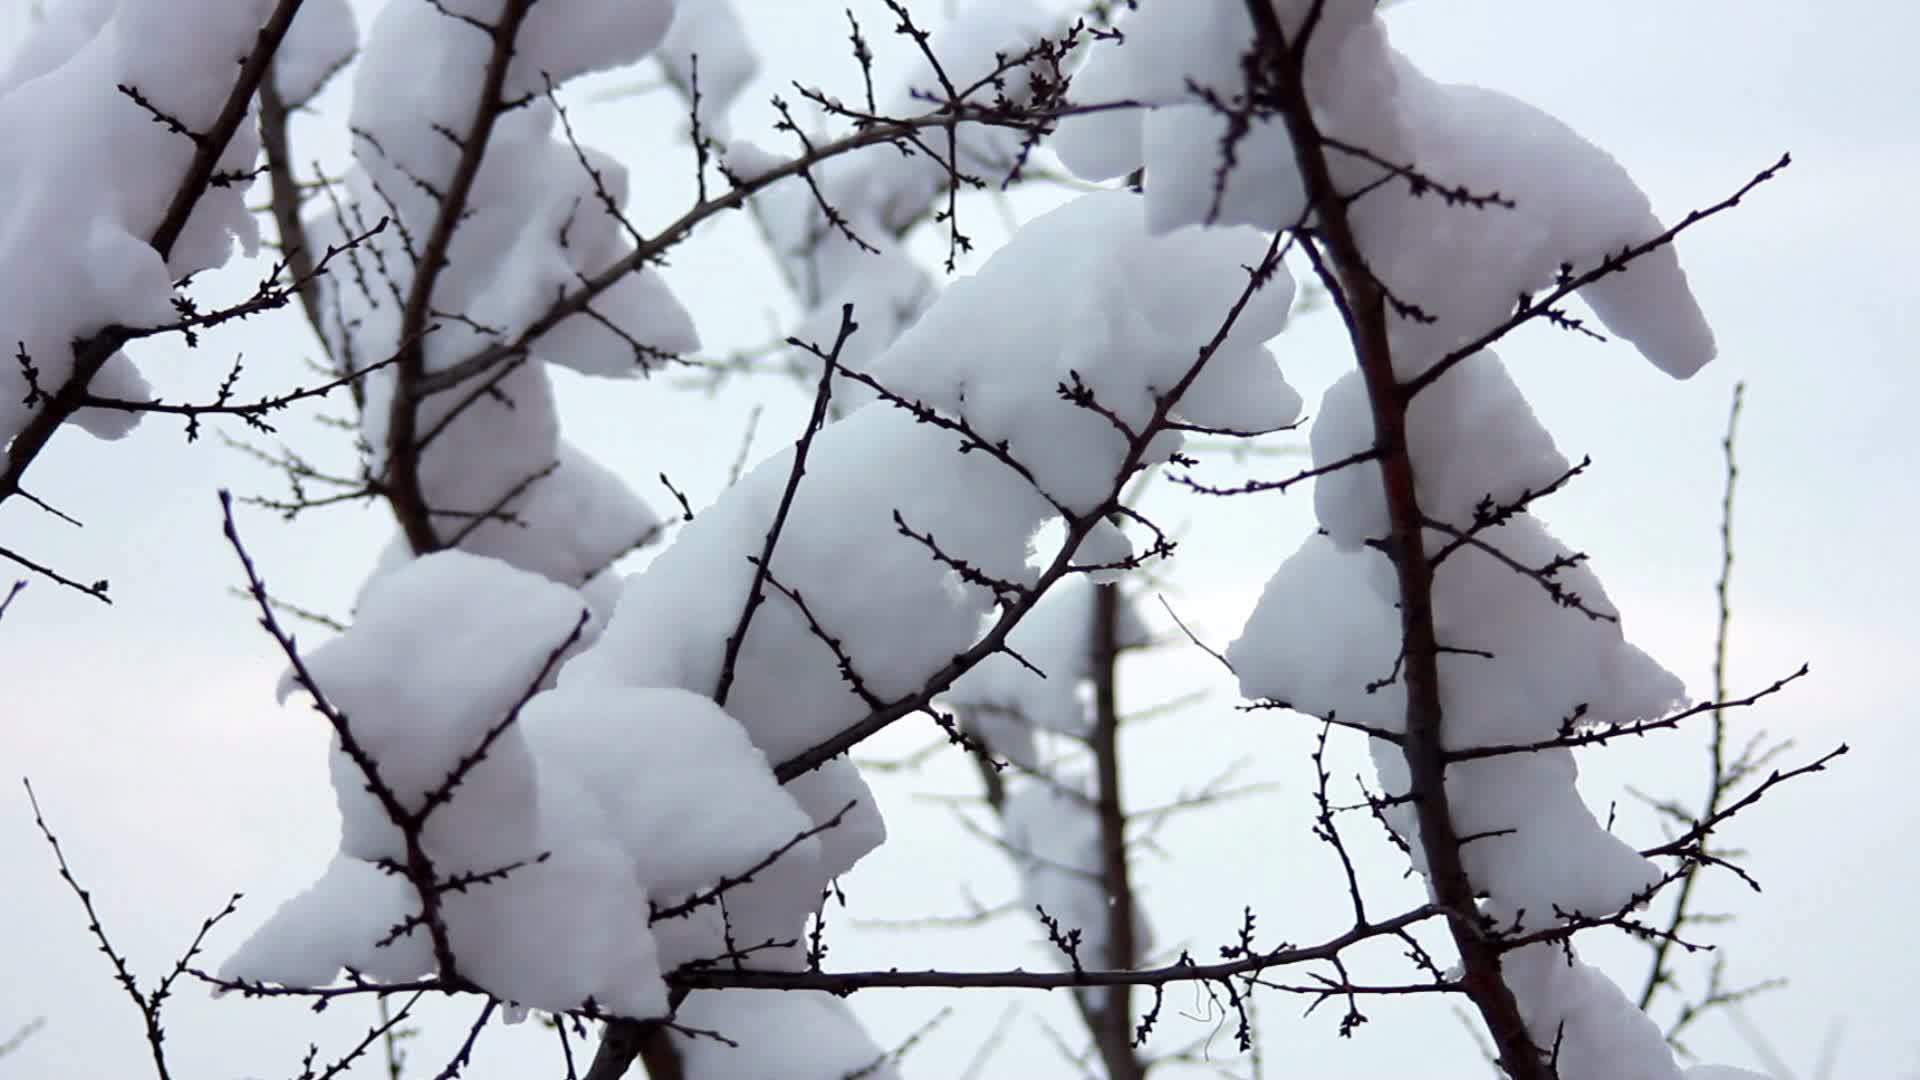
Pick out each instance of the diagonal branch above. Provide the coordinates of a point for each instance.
(830, 362)
(92, 354)
(1078, 527)
(1571, 283)
(404, 492)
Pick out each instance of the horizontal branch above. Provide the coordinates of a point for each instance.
(1570, 739)
(1183, 970)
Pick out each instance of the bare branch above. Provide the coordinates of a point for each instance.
(823, 394)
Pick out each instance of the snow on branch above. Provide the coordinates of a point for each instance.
(145, 64)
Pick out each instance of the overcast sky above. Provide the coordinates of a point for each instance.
(150, 731)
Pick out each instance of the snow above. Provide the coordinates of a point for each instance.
(504, 481)
(1601, 1036)
(1006, 704)
(338, 922)
(562, 39)
(1263, 179)
(1327, 628)
(780, 1035)
(422, 713)
(592, 805)
(75, 251)
(883, 196)
(1320, 635)
(598, 799)
(58, 32)
(646, 763)
(896, 611)
(891, 609)
(323, 38)
(404, 676)
(1129, 332)
(561, 933)
(1052, 827)
(1573, 203)
(1527, 659)
(708, 33)
(609, 788)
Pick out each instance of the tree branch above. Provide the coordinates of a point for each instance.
(91, 354)
(1362, 303)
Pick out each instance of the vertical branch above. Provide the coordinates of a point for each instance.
(295, 248)
(276, 143)
(1724, 616)
(658, 1055)
(395, 1058)
(647, 1041)
(1112, 1020)
(403, 452)
(1718, 779)
(1362, 304)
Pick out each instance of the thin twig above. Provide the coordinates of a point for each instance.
(763, 567)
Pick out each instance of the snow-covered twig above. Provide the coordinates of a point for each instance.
(1362, 304)
(1183, 970)
(418, 865)
(92, 354)
(1572, 281)
(405, 494)
(1078, 527)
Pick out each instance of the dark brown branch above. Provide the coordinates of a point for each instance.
(1687, 843)
(714, 893)
(150, 1003)
(1078, 526)
(295, 247)
(1255, 486)
(1363, 306)
(1111, 1014)
(97, 590)
(404, 492)
(822, 396)
(417, 866)
(736, 197)
(269, 294)
(1572, 283)
(1180, 971)
(386, 1032)
(464, 1056)
(1571, 738)
(251, 411)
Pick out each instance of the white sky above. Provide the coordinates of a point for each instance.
(151, 735)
